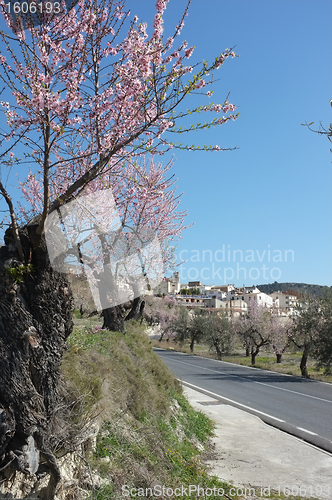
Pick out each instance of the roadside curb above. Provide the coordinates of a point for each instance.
(307, 436)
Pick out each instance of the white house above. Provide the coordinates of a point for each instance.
(235, 307)
(216, 293)
(169, 285)
(285, 302)
(260, 298)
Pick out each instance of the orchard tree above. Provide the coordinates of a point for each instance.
(281, 327)
(86, 93)
(218, 333)
(322, 349)
(312, 332)
(306, 329)
(254, 329)
(162, 312)
(190, 326)
(170, 314)
(181, 325)
(197, 327)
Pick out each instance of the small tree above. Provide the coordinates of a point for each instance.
(189, 326)
(254, 329)
(322, 349)
(280, 334)
(163, 312)
(306, 328)
(190, 291)
(197, 327)
(181, 325)
(218, 333)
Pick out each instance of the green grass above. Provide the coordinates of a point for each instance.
(149, 434)
(165, 447)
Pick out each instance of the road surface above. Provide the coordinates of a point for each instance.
(298, 406)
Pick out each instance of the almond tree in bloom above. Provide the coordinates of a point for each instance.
(169, 314)
(86, 94)
(254, 329)
(162, 312)
(281, 327)
(83, 102)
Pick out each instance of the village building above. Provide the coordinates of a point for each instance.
(169, 286)
(234, 300)
(285, 303)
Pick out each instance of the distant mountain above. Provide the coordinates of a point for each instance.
(302, 288)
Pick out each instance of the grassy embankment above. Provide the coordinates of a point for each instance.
(149, 435)
(266, 359)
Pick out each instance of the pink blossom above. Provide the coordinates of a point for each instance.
(161, 6)
(200, 84)
(228, 107)
(188, 52)
(121, 117)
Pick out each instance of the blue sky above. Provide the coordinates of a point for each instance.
(268, 201)
(271, 198)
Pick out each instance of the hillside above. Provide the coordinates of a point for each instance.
(303, 288)
(122, 422)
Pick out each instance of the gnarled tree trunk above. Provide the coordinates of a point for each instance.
(254, 353)
(35, 321)
(115, 317)
(137, 309)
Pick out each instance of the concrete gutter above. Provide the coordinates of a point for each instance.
(250, 453)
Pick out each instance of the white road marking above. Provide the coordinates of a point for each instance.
(294, 392)
(217, 396)
(306, 430)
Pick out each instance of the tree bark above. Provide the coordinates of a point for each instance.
(279, 356)
(114, 318)
(219, 353)
(35, 321)
(192, 343)
(303, 364)
(254, 353)
(137, 309)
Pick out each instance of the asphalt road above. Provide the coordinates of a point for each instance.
(298, 406)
